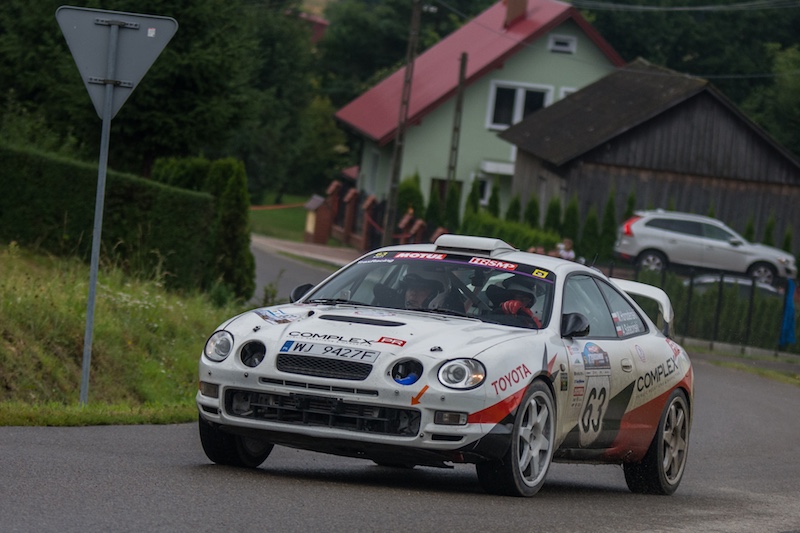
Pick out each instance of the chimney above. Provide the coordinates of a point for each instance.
(515, 9)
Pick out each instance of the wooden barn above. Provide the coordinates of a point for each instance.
(674, 140)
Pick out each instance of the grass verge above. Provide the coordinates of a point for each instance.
(146, 344)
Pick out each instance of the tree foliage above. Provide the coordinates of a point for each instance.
(367, 40)
(452, 219)
(409, 196)
(590, 236)
(552, 217)
(572, 220)
(531, 214)
(236, 79)
(608, 229)
(514, 211)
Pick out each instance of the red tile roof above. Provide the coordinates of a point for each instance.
(487, 43)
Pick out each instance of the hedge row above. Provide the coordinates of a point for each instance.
(149, 229)
(516, 234)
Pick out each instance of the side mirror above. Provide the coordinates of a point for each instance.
(574, 325)
(300, 291)
(735, 242)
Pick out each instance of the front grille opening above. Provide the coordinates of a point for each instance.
(310, 410)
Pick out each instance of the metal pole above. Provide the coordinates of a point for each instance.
(397, 155)
(108, 106)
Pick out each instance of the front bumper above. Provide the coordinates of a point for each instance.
(370, 419)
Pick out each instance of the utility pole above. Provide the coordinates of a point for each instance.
(451, 167)
(397, 155)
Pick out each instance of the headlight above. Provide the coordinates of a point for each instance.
(462, 374)
(219, 346)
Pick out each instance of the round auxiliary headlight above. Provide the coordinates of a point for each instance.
(462, 374)
(219, 346)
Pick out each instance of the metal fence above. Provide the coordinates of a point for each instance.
(720, 307)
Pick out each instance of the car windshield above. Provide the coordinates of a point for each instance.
(490, 290)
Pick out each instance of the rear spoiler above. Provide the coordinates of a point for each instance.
(635, 288)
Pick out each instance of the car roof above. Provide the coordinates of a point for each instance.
(491, 248)
(677, 215)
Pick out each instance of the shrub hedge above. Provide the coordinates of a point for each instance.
(149, 229)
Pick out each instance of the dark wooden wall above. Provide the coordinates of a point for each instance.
(699, 157)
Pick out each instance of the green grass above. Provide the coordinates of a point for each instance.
(146, 344)
(283, 223)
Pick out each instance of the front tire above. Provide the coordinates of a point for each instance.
(232, 450)
(763, 273)
(522, 471)
(661, 470)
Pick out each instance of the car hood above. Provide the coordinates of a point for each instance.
(385, 330)
(763, 249)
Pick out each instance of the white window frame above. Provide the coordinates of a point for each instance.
(562, 44)
(519, 100)
(566, 91)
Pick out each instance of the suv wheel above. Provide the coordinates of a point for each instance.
(651, 260)
(763, 273)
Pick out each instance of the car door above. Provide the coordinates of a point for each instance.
(718, 251)
(601, 365)
(684, 241)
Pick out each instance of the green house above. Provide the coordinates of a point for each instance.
(519, 55)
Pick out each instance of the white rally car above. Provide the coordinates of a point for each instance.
(462, 351)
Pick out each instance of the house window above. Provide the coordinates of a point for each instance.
(564, 44)
(510, 104)
(485, 188)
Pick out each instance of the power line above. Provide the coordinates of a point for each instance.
(596, 5)
(796, 3)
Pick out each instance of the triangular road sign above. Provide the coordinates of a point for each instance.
(140, 40)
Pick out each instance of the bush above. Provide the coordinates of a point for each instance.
(514, 233)
(409, 195)
(552, 218)
(514, 211)
(532, 212)
(149, 229)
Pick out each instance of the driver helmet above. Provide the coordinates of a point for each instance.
(424, 278)
(518, 287)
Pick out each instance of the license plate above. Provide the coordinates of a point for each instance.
(327, 350)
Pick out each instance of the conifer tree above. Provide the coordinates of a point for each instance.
(514, 210)
(532, 211)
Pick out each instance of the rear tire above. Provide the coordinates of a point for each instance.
(652, 261)
(232, 450)
(763, 273)
(522, 470)
(661, 470)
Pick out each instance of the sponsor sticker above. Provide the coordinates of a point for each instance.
(493, 263)
(419, 255)
(390, 340)
(276, 316)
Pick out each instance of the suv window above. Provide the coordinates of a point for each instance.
(687, 227)
(715, 232)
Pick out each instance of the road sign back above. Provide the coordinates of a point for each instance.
(140, 40)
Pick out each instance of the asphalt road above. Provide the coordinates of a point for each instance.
(742, 476)
(285, 273)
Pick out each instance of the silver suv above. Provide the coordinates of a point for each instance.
(655, 239)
